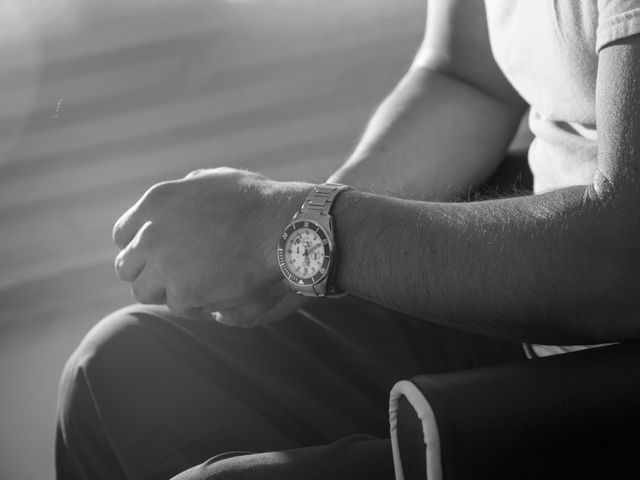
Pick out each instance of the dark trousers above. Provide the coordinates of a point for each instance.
(147, 395)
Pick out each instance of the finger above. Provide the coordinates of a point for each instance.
(182, 310)
(132, 220)
(287, 306)
(127, 226)
(230, 304)
(147, 288)
(252, 312)
(281, 310)
(132, 259)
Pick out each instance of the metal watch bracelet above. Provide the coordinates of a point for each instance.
(317, 206)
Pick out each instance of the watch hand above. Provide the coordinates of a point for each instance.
(314, 247)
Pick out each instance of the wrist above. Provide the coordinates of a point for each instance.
(287, 199)
(344, 217)
(306, 250)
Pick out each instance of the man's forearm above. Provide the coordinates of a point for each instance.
(552, 268)
(434, 138)
(560, 267)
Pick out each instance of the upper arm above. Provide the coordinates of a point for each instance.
(456, 43)
(617, 181)
(613, 218)
(618, 122)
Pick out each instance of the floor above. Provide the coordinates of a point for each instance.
(100, 100)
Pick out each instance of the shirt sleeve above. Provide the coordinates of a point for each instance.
(617, 19)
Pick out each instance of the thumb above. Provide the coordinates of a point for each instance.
(272, 305)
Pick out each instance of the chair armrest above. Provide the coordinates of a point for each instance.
(575, 415)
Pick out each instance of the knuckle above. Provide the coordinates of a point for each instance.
(158, 192)
(152, 194)
(115, 236)
(117, 232)
(130, 265)
(229, 173)
(119, 264)
(128, 273)
(196, 173)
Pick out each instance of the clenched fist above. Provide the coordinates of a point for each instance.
(206, 243)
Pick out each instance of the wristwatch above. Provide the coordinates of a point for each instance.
(307, 248)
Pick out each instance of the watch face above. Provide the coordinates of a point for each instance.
(304, 253)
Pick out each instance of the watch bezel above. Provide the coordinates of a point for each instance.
(328, 251)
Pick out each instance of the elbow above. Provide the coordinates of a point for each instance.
(611, 300)
(614, 293)
(613, 313)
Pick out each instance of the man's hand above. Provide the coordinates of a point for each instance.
(275, 303)
(206, 243)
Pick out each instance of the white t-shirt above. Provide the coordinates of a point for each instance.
(548, 50)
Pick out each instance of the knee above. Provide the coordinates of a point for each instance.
(110, 342)
(99, 364)
(92, 384)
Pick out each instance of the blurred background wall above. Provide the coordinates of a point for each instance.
(100, 99)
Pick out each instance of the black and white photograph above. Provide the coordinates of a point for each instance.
(319, 239)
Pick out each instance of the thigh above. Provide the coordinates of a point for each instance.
(170, 393)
